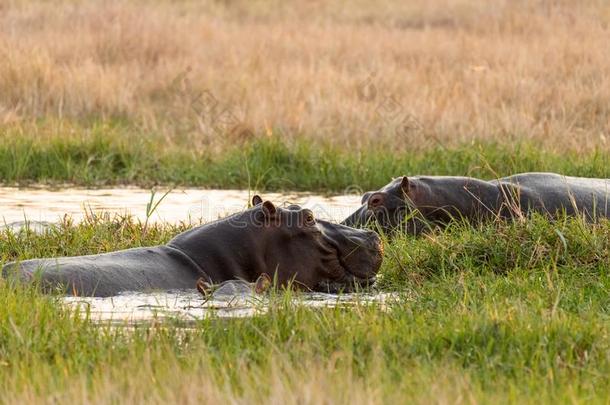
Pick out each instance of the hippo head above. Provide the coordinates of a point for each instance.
(312, 253)
(289, 244)
(389, 208)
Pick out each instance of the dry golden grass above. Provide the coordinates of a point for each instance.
(282, 384)
(459, 69)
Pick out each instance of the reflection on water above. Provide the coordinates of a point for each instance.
(188, 205)
(191, 305)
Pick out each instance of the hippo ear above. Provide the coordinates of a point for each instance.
(204, 287)
(365, 197)
(268, 208)
(256, 199)
(404, 184)
(263, 282)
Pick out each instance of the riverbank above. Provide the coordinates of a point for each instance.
(105, 157)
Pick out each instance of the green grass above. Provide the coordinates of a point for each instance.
(112, 154)
(502, 312)
(507, 312)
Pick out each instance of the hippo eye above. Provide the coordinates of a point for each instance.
(309, 219)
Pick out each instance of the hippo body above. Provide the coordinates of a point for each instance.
(289, 245)
(107, 274)
(417, 202)
(551, 193)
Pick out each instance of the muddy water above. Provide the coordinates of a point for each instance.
(43, 206)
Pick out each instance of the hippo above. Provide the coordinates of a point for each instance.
(287, 244)
(421, 202)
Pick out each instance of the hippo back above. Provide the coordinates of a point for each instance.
(138, 269)
(553, 193)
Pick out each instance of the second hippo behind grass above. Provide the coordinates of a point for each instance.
(288, 244)
(417, 203)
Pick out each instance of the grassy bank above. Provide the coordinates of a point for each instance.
(110, 155)
(509, 312)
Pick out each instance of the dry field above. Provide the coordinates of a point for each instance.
(442, 71)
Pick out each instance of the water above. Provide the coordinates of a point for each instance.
(43, 206)
(231, 302)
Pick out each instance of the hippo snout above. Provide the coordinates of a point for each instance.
(377, 250)
(366, 255)
(361, 258)
(372, 242)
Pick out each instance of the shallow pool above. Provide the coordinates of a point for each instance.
(45, 205)
(130, 308)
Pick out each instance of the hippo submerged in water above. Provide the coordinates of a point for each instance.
(416, 203)
(289, 245)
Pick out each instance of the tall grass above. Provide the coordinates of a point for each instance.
(113, 154)
(461, 69)
(509, 312)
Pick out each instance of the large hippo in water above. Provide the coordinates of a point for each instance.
(416, 203)
(287, 244)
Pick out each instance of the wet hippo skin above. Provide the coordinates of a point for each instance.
(289, 245)
(416, 203)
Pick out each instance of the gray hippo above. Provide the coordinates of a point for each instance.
(289, 245)
(416, 203)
